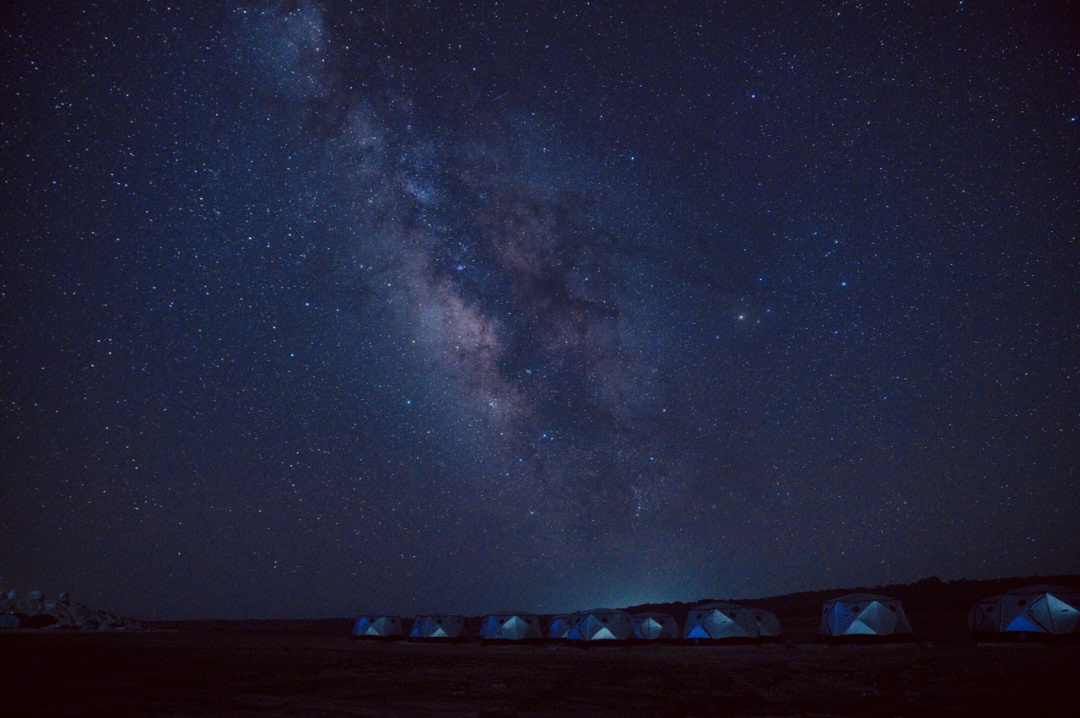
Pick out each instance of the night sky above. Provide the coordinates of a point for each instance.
(313, 308)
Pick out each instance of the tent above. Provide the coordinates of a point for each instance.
(600, 625)
(510, 626)
(655, 627)
(438, 628)
(730, 622)
(377, 628)
(1039, 609)
(864, 616)
(560, 627)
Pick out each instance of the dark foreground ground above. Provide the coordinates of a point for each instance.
(278, 673)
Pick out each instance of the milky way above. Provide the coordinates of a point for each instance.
(511, 276)
(313, 308)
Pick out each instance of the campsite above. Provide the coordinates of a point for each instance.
(938, 654)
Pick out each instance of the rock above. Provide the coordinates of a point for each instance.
(39, 620)
(33, 604)
(35, 611)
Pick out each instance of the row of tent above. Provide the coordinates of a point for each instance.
(712, 622)
(1047, 610)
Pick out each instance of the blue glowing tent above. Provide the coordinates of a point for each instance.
(655, 627)
(600, 625)
(438, 627)
(385, 627)
(510, 627)
(560, 627)
(724, 621)
(864, 614)
(1039, 609)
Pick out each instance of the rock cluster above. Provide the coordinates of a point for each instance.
(34, 610)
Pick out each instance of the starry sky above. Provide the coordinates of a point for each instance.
(310, 308)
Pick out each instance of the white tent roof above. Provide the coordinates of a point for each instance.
(654, 626)
(601, 624)
(510, 626)
(438, 626)
(375, 626)
(1040, 608)
(722, 620)
(560, 626)
(863, 614)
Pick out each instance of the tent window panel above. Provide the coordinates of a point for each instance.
(1021, 602)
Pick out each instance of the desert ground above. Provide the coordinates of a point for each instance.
(285, 673)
